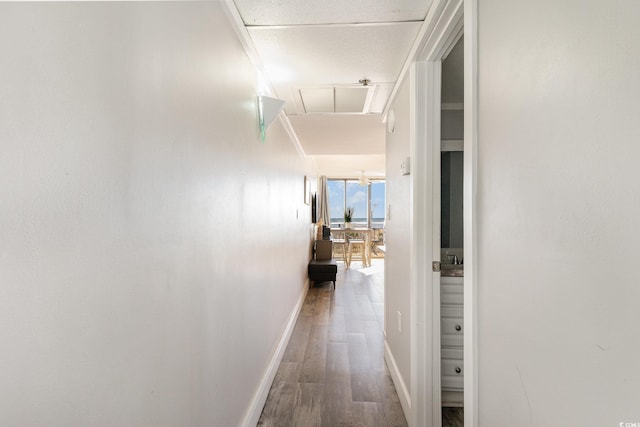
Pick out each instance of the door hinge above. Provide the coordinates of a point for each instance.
(435, 266)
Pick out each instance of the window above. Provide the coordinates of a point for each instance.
(367, 201)
(377, 203)
(335, 188)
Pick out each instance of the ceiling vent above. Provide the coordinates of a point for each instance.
(338, 99)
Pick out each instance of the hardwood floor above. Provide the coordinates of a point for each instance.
(333, 371)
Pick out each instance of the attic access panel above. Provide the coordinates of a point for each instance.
(350, 99)
(318, 100)
(336, 99)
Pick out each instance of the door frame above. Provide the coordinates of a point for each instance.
(471, 411)
(446, 19)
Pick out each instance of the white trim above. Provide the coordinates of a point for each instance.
(297, 100)
(367, 103)
(453, 106)
(433, 142)
(252, 415)
(444, 26)
(420, 240)
(370, 85)
(448, 26)
(425, 30)
(452, 145)
(246, 41)
(471, 409)
(331, 114)
(401, 387)
(431, 217)
(292, 134)
(334, 25)
(453, 43)
(237, 23)
(425, 291)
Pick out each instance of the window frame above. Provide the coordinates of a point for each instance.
(345, 181)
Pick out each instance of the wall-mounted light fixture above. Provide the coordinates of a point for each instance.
(268, 109)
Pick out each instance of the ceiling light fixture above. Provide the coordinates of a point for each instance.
(364, 181)
(364, 82)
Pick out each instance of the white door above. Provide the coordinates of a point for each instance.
(425, 153)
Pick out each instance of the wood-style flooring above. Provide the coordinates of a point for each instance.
(333, 371)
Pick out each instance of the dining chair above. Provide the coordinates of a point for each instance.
(340, 244)
(358, 245)
(377, 240)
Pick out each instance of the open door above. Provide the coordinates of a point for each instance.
(426, 78)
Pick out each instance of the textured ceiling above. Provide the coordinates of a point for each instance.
(313, 49)
(293, 12)
(340, 134)
(303, 57)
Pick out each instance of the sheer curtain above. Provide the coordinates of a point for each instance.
(324, 202)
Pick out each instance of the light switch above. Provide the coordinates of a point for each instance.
(405, 167)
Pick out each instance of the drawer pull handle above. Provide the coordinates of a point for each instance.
(458, 370)
(458, 328)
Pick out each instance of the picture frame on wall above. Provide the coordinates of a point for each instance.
(307, 191)
(314, 207)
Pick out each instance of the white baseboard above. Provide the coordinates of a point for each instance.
(260, 397)
(401, 388)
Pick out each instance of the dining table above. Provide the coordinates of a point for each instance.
(352, 236)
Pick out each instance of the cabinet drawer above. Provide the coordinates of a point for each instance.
(451, 378)
(451, 290)
(452, 325)
(452, 311)
(450, 367)
(456, 353)
(452, 383)
(451, 332)
(452, 340)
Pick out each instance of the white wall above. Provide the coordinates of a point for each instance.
(397, 241)
(558, 213)
(150, 254)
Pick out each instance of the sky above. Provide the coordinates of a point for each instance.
(356, 198)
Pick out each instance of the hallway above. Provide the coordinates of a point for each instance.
(333, 371)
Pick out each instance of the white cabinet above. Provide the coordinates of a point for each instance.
(451, 340)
